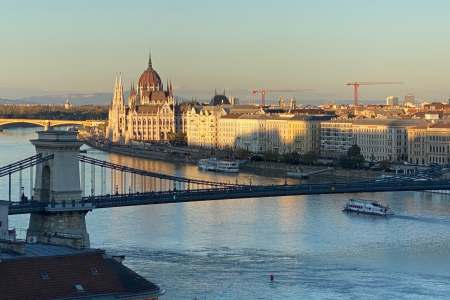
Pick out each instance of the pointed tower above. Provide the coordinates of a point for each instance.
(116, 113)
(132, 99)
(120, 93)
(113, 100)
(150, 59)
(132, 90)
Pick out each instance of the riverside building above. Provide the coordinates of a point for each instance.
(429, 144)
(378, 139)
(202, 121)
(259, 133)
(336, 137)
(149, 115)
(381, 140)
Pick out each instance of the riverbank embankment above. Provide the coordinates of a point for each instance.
(180, 154)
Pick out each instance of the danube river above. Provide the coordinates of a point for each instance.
(227, 249)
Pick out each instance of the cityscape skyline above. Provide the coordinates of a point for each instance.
(224, 149)
(272, 45)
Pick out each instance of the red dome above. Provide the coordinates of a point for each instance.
(150, 78)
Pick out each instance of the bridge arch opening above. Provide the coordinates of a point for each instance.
(45, 184)
(20, 124)
(11, 123)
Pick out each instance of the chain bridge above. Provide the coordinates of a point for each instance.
(64, 185)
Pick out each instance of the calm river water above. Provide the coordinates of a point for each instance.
(227, 249)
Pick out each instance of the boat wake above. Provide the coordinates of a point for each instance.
(429, 220)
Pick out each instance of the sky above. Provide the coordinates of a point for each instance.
(52, 46)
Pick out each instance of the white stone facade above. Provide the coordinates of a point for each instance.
(150, 114)
(261, 133)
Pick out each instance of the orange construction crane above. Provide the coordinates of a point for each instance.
(357, 84)
(263, 93)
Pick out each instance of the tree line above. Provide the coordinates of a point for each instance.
(54, 112)
(353, 159)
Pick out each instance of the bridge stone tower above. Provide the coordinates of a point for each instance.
(58, 183)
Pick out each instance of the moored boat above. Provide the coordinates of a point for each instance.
(367, 207)
(214, 164)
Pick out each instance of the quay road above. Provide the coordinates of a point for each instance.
(178, 196)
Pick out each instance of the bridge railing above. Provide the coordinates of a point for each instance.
(174, 196)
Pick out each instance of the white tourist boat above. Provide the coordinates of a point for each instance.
(367, 207)
(214, 164)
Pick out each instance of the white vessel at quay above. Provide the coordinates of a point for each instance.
(214, 164)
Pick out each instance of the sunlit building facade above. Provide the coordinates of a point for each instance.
(336, 137)
(202, 120)
(261, 133)
(150, 114)
(202, 125)
(429, 144)
(378, 139)
(383, 140)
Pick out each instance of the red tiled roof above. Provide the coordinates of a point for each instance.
(55, 277)
(155, 96)
(150, 78)
(148, 108)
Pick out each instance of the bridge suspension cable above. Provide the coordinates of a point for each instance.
(19, 166)
(122, 168)
(23, 164)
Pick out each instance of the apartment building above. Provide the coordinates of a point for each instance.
(429, 144)
(379, 139)
(384, 139)
(270, 133)
(336, 137)
(202, 125)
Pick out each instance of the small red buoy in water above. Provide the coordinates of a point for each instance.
(272, 278)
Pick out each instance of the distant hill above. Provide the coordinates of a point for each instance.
(7, 101)
(12, 101)
(76, 99)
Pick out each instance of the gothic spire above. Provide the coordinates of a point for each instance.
(115, 91)
(120, 83)
(118, 91)
(150, 59)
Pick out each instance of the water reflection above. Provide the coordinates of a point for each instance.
(226, 249)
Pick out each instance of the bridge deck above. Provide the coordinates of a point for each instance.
(107, 201)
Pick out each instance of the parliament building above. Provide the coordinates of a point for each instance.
(150, 113)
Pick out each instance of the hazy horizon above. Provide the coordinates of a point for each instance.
(53, 47)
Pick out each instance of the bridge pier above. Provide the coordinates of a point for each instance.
(57, 183)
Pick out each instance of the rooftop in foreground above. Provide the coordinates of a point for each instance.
(59, 272)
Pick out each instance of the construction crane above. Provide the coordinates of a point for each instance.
(357, 84)
(263, 93)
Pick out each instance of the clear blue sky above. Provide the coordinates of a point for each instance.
(79, 45)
